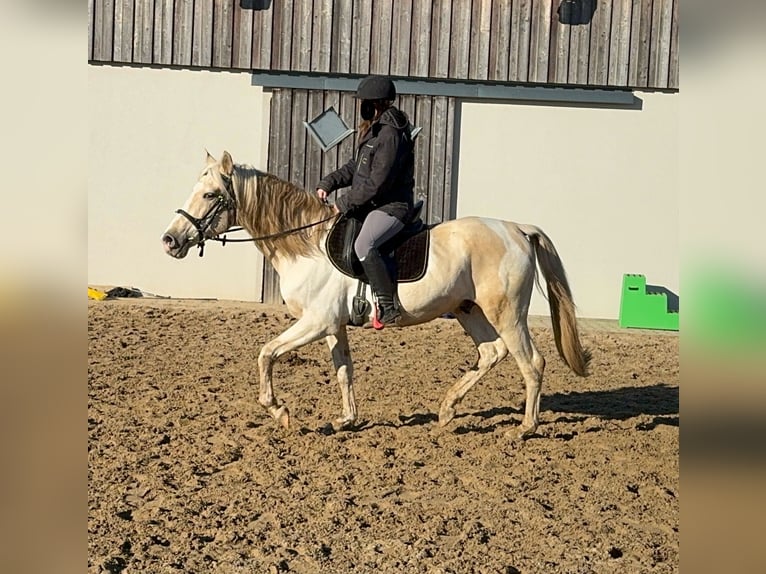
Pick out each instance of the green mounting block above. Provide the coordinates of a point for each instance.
(640, 309)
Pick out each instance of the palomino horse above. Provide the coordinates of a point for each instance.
(481, 270)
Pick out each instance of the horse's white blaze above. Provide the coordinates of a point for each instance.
(482, 270)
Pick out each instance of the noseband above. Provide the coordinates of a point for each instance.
(223, 202)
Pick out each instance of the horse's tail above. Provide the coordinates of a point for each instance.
(560, 300)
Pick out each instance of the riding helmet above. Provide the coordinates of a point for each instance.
(376, 88)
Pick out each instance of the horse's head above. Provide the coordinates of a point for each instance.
(209, 211)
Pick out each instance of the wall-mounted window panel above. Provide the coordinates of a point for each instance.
(328, 129)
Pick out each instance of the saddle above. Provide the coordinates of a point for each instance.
(406, 254)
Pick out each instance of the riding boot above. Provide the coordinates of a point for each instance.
(381, 284)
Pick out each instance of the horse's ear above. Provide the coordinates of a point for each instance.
(227, 164)
(210, 159)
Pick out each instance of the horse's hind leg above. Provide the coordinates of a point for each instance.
(491, 348)
(531, 364)
(341, 358)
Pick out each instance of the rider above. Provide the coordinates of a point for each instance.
(382, 182)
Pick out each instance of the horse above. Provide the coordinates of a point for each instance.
(480, 270)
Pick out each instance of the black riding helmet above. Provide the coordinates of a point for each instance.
(376, 88)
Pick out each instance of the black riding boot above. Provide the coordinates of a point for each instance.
(380, 281)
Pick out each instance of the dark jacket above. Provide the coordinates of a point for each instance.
(382, 174)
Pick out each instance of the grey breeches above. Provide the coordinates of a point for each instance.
(378, 227)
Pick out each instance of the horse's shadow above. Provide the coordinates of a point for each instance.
(660, 400)
(616, 404)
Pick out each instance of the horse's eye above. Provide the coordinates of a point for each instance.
(209, 195)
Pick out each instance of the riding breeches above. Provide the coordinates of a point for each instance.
(378, 227)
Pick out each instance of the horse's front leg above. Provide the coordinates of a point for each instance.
(341, 358)
(303, 332)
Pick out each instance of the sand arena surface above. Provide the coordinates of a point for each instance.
(188, 474)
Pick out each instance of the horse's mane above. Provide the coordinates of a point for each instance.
(267, 205)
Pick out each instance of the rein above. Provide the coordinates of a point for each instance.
(224, 241)
(228, 203)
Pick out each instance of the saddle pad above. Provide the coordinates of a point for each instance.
(410, 255)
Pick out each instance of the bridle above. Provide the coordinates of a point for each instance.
(226, 201)
(223, 201)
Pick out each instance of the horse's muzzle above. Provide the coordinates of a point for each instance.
(173, 247)
(169, 242)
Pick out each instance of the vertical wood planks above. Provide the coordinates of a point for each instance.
(579, 43)
(441, 37)
(123, 31)
(421, 39)
(539, 42)
(263, 30)
(449, 205)
(479, 31)
(278, 165)
(406, 103)
(423, 110)
(619, 44)
(361, 34)
(275, 131)
(521, 16)
(380, 38)
(297, 172)
(598, 67)
(558, 66)
(340, 54)
(438, 153)
(662, 18)
(281, 34)
(270, 285)
(143, 30)
(182, 32)
(401, 45)
(163, 32)
(282, 133)
(202, 40)
(321, 38)
(673, 59)
(500, 41)
(347, 110)
(313, 151)
(458, 45)
(626, 43)
(242, 38)
(641, 28)
(330, 157)
(106, 32)
(91, 27)
(301, 38)
(223, 21)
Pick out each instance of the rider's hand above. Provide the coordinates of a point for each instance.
(322, 194)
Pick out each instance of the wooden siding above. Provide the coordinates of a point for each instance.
(619, 43)
(293, 155)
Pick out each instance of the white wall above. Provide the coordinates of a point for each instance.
(603, 183)
(149, 129)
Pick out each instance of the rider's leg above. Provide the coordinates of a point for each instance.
(378, 227)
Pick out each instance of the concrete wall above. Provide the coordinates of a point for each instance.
(603, 183)
(149, 129)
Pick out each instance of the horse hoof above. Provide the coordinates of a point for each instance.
(342, 424)
(446, 414)
(523, 432)
(282, 416)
